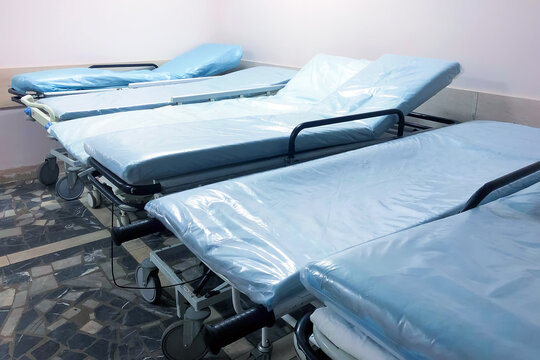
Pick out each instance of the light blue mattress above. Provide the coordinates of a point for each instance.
(205, 60)
(392, 81)
(127, 99)
(464, 287)
(317, 79)
(258, 231)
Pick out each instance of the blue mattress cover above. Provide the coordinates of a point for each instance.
(391, 81)
(322, 75)
(258, 231)
(464, 287)
(127, 99)
(204, 60)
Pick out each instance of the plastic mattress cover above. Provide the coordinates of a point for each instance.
(106, 102)
(392, 81)
(343, 335)
(317, 79)
(464, 287)
(258, 231)
(204, 60)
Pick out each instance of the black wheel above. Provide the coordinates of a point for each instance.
(172, 344)
(65, 192)
(48, 171)
(152, 291)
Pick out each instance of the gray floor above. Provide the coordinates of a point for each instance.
(57, 297)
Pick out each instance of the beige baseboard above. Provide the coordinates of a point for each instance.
(18, 174)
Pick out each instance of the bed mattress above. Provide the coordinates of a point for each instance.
(258, 231)
(390, 82)
(463, 287)
(316, 80)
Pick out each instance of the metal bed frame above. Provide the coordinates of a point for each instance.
(304, 327)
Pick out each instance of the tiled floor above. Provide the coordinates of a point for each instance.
(57, 299)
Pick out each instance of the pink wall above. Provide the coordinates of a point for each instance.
(58, 32)
(496, 41)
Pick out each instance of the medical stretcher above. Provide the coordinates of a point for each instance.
(257, 232)
(184, 155)
(204, 60)
(463, 287)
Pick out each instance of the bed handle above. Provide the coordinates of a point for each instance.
(121, 184)
(342, 119)
(498, 183)
(102, 66)
(121, 234)
(43, 114)
(236, 327)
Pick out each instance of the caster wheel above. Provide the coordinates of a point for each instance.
(48, 171)
(173, 347)
(94, 199)
(65, 192)
(153, 293)
(122, 220)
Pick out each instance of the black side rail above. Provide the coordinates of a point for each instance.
(433, 118)
(342, 119)
(236, 327)
(103, 66)
(498, 183)
(121, 184)
(302, 332)
(121, 234)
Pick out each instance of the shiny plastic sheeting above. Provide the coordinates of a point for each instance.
(204, 60)
(464, 287)
(258, 231)
(323, 73)
(391, 81)
(106, 102)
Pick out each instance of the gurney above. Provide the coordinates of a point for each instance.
(247, 82)
(205, 60)
(257, 232)
(243, 83)
(464, 287)
(185, 155)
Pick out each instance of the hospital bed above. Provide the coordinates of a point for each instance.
(204, 60)
(463, 287)
(257, 232)
(249, 82)
(319, 77)
(184, 155)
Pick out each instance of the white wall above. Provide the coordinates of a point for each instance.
(496, 41)
(59, 32)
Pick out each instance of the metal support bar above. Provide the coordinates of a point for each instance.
(342, 119)
(218, 95)
(498, 183)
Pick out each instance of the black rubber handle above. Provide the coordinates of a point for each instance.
(236, 327)
(121, 234)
